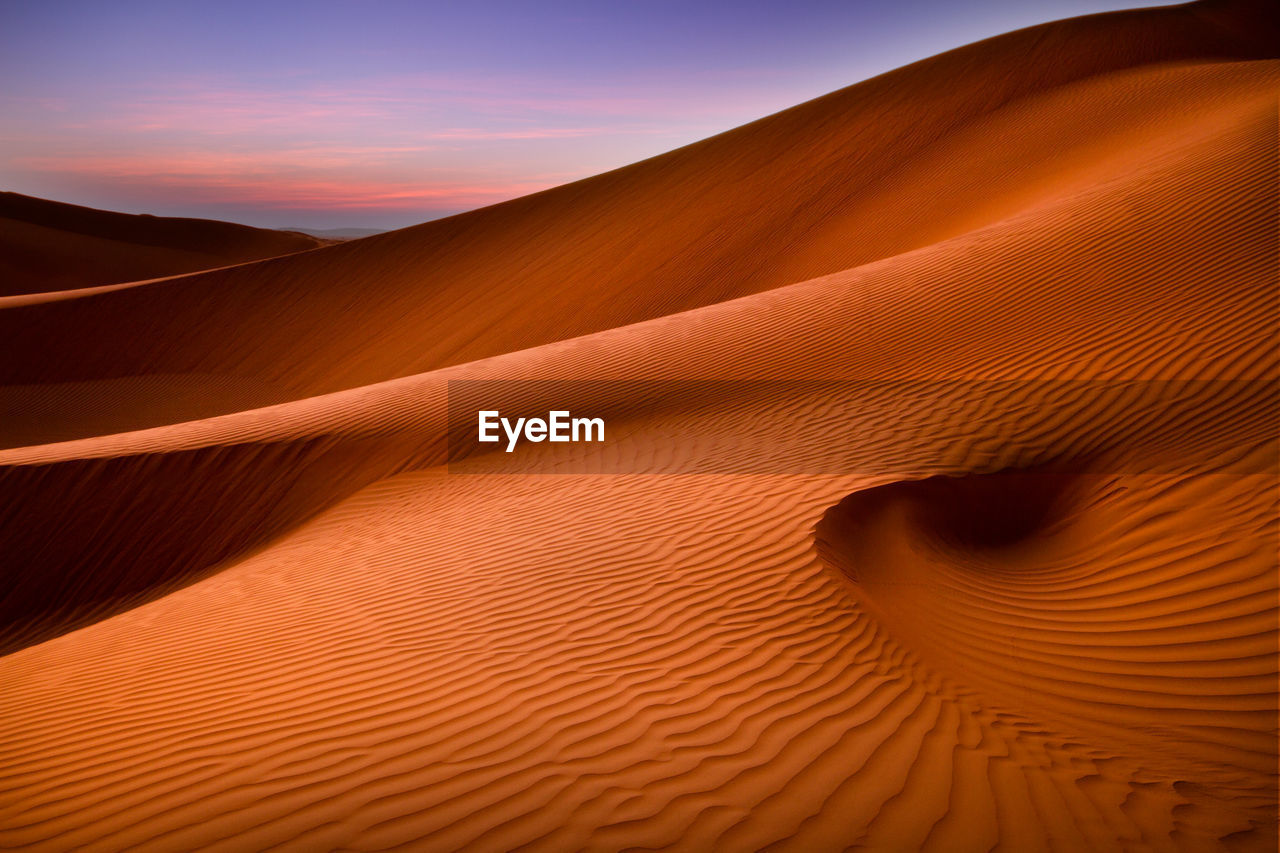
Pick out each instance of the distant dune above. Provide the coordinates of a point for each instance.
(939, 508)
(48, 245)
(338, 233)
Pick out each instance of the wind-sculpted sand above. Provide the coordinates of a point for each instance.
(938, 509)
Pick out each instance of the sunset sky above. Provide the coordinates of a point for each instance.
(383, 114)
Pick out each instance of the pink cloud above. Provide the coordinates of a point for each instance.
(396, 142)
(244, 179)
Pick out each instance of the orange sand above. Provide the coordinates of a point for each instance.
(248, 605)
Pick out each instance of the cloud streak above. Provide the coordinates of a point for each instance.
(392, 143)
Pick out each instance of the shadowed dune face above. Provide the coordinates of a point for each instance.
(48, 246)
(194, 511)
(992, 514)
(977, 367)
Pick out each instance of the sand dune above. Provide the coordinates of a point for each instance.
(48, 246)
(884, 167)
(939, 509)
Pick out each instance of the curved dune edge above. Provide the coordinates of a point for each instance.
(1026, 604)
(53, 246)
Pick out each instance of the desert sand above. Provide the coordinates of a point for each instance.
(939, 509)
(48, 245)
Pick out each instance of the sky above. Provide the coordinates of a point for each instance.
(385, 113)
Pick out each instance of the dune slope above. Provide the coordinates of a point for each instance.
(47, 245)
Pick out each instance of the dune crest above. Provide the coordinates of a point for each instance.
(49, 246)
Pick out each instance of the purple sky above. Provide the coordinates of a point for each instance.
(385, 113)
